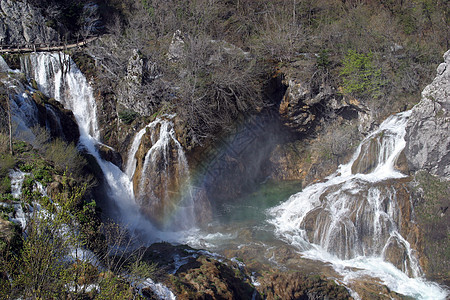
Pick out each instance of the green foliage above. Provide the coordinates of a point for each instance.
(5, 185)
(127, 116)
(6, 162)
(41, 273)
(20, 147)
(142, 270)
(6, 198)
(38, 269)
(6, 209)
(359, 75)
(43, 174)
(323, 59)
(112, 287)
(65, 157)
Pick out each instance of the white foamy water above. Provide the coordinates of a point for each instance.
(161, 291)
(355, 217)
(164, 162)
(70, 87)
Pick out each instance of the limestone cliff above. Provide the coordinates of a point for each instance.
(428, 130)
(428, 155)
(21, 23)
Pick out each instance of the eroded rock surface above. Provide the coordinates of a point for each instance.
(304, 105)
(428, 129)
(21, 23)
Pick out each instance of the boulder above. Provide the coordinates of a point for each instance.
(110, 154)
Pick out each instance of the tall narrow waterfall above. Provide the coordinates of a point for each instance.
(57, 76)
(353, 218)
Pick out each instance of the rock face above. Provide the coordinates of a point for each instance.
(304, 105)
(140, 90)
(132, 83)
(428, 129)
(21, 23)
(176, 48)
(298, 286)
(58, 120)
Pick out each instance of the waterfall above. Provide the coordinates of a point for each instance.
(24, 112)
(131, 162)
(66, 85)
(161, 185)
(353, 218)
(58, 76)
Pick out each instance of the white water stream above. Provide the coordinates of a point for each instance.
(334, 205)
(71, 88)
(356, 217)
(74, 92)
(165, 161)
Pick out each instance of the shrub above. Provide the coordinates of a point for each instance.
(5, 185)
(6, 162)
(323, 59)
(359, 75)
(127, 116)
(65, 157)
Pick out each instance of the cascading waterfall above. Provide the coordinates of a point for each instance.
(162, 186)
(23, 109)
(353, 218)
(69, 87)
(74, 92)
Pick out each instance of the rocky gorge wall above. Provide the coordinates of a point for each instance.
(428, 158)
(22, 23)
(428, 130)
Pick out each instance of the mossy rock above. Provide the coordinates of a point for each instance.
(39, 98)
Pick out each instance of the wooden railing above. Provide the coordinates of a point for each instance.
(46, 47)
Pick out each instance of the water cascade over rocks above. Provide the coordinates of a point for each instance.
(353, 218)
(161, 177)
(145, 191)
(58, 76)
(24, 111)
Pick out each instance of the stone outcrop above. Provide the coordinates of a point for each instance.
(132, 83)
(428, 130)
(21, 23)
(281, 285)
(59, 121)
(140, 91)
(176, 48)
(110, 154)
(306, 104)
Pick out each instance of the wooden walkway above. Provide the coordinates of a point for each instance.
(45, 47)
